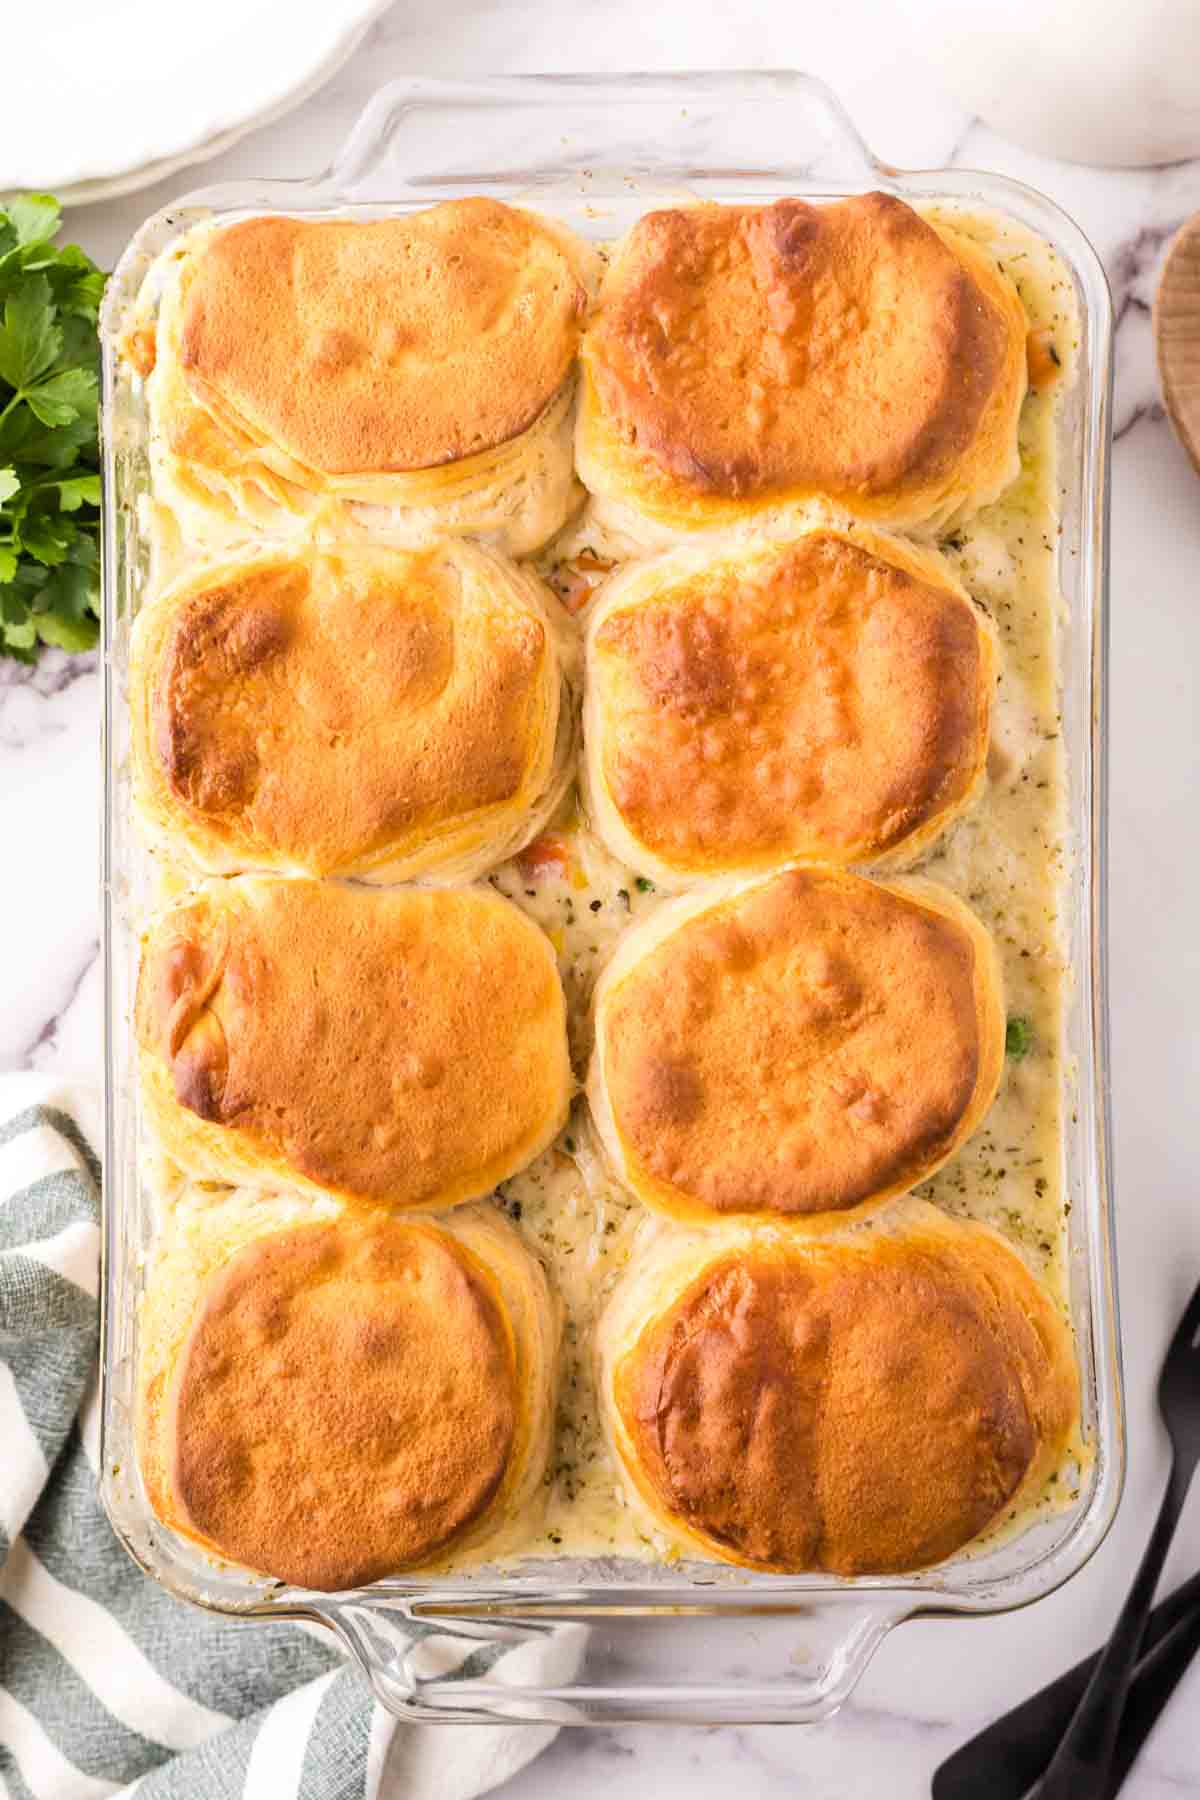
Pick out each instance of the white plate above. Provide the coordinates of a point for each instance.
(140, 88)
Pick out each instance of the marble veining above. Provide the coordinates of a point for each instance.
(48, 1048)
(932, 1682)
(24, 685)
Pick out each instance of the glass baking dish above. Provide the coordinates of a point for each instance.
(629, 1641)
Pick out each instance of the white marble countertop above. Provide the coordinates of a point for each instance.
(932, 1682)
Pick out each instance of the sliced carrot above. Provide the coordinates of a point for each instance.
(576, 581)
(547, 855)
(141, 348)
(1042, 359)
(575, 591)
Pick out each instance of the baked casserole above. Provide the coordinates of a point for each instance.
(594, 730)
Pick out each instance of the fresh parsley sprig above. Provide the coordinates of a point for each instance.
(49, 459)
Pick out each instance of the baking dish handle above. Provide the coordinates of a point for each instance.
(630, 1659)
(410, 141)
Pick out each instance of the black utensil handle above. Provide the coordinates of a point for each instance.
(1003, 1761)
(1158, 1675)
(1081, 1763)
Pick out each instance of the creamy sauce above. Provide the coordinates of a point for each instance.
(1006, 858)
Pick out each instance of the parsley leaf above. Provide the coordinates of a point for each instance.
(49, 460)
(29, 339)
(46, 537)
(70, 394)
(34, 218)
(80, 490)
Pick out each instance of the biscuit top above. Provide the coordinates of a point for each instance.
(858, 1410)
(406, 1046)
(804, 1046)
(756, 351)
(386, 345)
(344, 1404)
(817, 700)
(320, 707)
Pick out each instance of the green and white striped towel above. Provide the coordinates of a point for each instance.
(107, 1684)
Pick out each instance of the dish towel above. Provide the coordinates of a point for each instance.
(108, 1685)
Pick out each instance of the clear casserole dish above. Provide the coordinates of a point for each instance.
(637, 1641)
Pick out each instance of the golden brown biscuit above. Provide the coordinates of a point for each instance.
(864, 1407)
(745, 358)
(360, 711)
(826, 699)
(405, 1046)
(433, 1433)
(797, 1044)
(422, 364)
(279, 311)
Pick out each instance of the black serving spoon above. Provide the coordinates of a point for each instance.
(1082, 1764)
(1169, 1662)
(1003, 1761)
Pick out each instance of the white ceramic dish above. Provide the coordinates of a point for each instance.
(140, 92)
